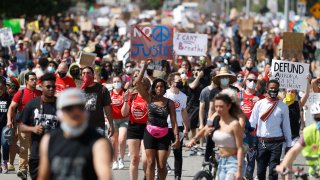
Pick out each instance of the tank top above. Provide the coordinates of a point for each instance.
(72, 158)
(158, 115)
(223, 139)
(21, 57)
(138, 109)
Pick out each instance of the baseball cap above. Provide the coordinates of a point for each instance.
(8, 135)
(71, 97)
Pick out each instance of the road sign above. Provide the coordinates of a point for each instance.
(315, 10)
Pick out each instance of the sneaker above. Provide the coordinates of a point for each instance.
(11, 167)
(115, 165)
(120, 164)
(4, 167)
(192, 153)
(22, 174)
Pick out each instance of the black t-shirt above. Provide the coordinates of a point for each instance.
(194, 94)
(32, 116)
(4, 105)
(294, 114)
(98, 97)
(217, 90)
(72, 158)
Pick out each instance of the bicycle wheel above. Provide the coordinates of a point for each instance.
(203, 175)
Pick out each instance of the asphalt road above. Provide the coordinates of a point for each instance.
(191, 165)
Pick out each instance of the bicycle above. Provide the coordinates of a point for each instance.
(196, 150)
(299, 173)
(209, 169)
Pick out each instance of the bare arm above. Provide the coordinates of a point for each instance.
(238, 134)
(11, 113)
(305, 97)
(173, 118)
(291, 156)
(108, 111)
(125, 108)
(242, 120)
(195, 83)
(102, 159)
(44, 171)
(201, 114)
(141, 89)
(184, 114)
(211, 109)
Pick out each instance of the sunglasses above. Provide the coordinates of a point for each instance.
(50, 87)
(72, 108)
(250, 80)
(197, 70)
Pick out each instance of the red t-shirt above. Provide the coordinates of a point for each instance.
(138, 109)
(64, 83)
(248, 102)
(27, 96)
(116, 104)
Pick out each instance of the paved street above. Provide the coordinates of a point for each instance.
(191, 166)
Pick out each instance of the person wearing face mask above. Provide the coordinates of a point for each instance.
(52, 66)
(63, 81)
(308, 143)
(249, 67)
(270, 118)
(127, 77)
(120, 124)
(239, 83)
(74, 73)
(76, 147)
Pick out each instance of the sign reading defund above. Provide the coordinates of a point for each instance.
(190, 44)
(151, 41)
(291, 75)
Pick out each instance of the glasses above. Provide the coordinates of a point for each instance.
(250, 80)
(72, 108)
(197, 70)
(222, 49)
(50, 87)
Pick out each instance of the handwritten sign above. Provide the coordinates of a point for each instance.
(62, 44)
(86, 26)
(149, 41)
(261, 54)
(246, 26)
(190, 44)
(308, 118)
(87, 59)
(6, 37)
(292, 45)
(291, 75)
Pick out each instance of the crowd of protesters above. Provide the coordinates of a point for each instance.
(52, 104)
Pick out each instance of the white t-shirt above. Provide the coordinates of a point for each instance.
(180, 101)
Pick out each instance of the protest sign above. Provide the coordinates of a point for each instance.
(292, 45)
(122, 31)
(261, 54)
(87, 59)
(6, 37)
(190, 44)
(34, 26)
(102, 21)
(308, 118)
(291, 75)
(14, 24)
(246, 26)
(86, 26)
(150, 41)
(62, 44)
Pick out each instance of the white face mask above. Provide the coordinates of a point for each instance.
(117, 85)
(129, 70)
(74, 131)
(250, 85)
(220, 65)
(224, 81)
(183, 76)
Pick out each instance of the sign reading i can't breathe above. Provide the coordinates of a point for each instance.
(291, 75)
(190, 44)
(150, 41)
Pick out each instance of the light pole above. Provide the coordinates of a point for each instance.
(286, 15)
(247, 8)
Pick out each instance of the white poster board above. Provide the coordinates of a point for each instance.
(87, 59)
(62, 44)
(291, 75)
(308, 118)
(6, 37)
(190, 44)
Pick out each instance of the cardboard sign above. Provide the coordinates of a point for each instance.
(62, 44)
(34, 26)
(116, 10)
(292, 45)
(150, 41)
(246, 26)
(291, 75)
(87, 59)
(261, 54)
(308, 118)
(190, 44)
(86, 26)
(6, 37)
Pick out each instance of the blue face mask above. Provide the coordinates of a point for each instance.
(240, 80)
(51, 69)
(318, 125)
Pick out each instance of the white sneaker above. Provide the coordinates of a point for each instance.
(115, 165)
(121, 164)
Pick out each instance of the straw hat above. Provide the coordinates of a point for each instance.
(224, 72)
(48, 40)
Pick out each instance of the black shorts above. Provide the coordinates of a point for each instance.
(193, 117)
(156, 143)
(135, 130)
(33, 168)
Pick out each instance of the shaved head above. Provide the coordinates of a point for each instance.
(63, 67)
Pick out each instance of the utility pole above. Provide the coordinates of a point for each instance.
(247, 8)
(286, 15)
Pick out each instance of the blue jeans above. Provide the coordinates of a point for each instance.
(4, 145)
(269, 154)
(227, 168)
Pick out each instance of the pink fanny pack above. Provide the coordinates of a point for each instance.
(157, 132)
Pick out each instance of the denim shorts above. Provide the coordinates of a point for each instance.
(120, 123)
(227, 168)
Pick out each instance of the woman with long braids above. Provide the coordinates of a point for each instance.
(156, 137)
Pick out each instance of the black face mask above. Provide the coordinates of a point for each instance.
(273, 93)
(249, 68)
(62, 75)
(179, 85)
(74, 73)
